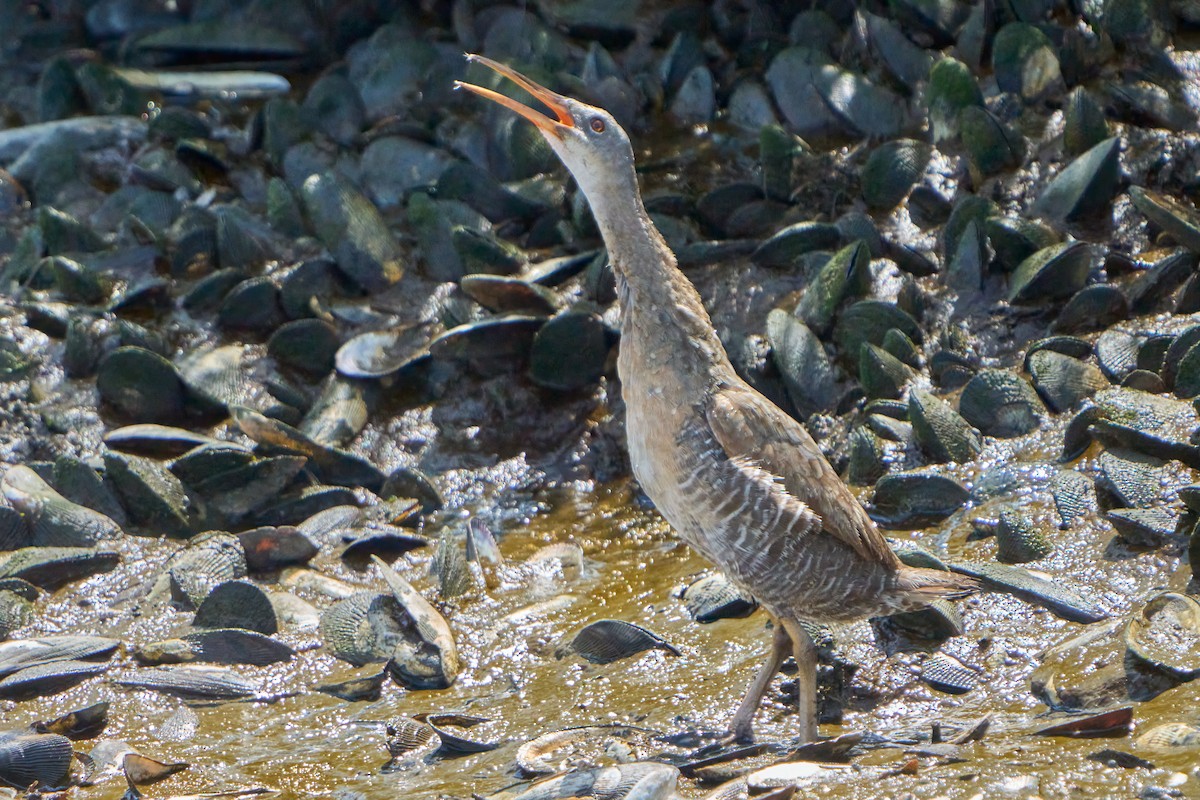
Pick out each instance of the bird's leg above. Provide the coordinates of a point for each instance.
(743, 719)
(805, 653)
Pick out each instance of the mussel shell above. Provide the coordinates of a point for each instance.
(608, 640)
(1171, 736)
(1145, 527)
(140, 385)
(714, 597)
(449, 564)
(1054, 595)
(1074, 496)
(1129, 480)
(50, 678)
(202, 683)
(214, 377)
(1000, 403)
(1056, 271)
(1169, 214)
(361, 629)
(53, 519)
(366, 686)
(428, 660)
(27, 759)
(538, 756)
(800, 357)
(306, 502)
(270, 548)
(237, 604)
(935, 623)
(784, 248)
(570, 351)
(141, 770)
(633, 780)
(503, 337)
(376, 354)
(239, 492)
(1064, 382)
(444, 726)
(216, 646)
(410, 482)
(947, 674)
(77, 481)
(891, 170)
(51, 567)
(387, 542)
(82, 723)
(159, 441)
(321, 524)
(410, 739)
(16, 611)
(940, 430)
(1086, 185)
(151, 494)
(1166, 635)
(1018, 539)
(209, 560)
(25, 653)
(905, 499)
(846, 273)
(14, 532)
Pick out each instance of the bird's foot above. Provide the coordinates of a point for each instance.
(739, 734)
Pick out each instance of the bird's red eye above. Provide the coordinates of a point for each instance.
(598, 125)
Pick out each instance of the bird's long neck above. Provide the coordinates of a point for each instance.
(659, 305)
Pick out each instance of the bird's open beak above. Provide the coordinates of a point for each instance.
(552, 100)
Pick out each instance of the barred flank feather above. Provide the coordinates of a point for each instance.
(928, 584)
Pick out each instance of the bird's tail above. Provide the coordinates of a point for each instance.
(926, 585)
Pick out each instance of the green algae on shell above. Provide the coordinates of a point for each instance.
(940, 430)
(237, 604)
(52, 519)
(1064, 382)
(802, 360)
(846, 273)
(1085, 186)
(1178, 220)
(1000, 403)
(881, 374)
(1019, 539)
(913, 499)
(151, 494)
(1053, 272)
(891, 171)
(141, 385)
(52, 567)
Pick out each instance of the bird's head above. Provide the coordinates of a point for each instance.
(587, 139)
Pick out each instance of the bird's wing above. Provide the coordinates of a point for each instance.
(748, 427)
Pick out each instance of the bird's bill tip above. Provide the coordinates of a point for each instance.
(552, 100)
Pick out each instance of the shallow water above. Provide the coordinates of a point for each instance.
(313, 744)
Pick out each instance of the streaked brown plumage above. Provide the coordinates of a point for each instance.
(737, 478)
